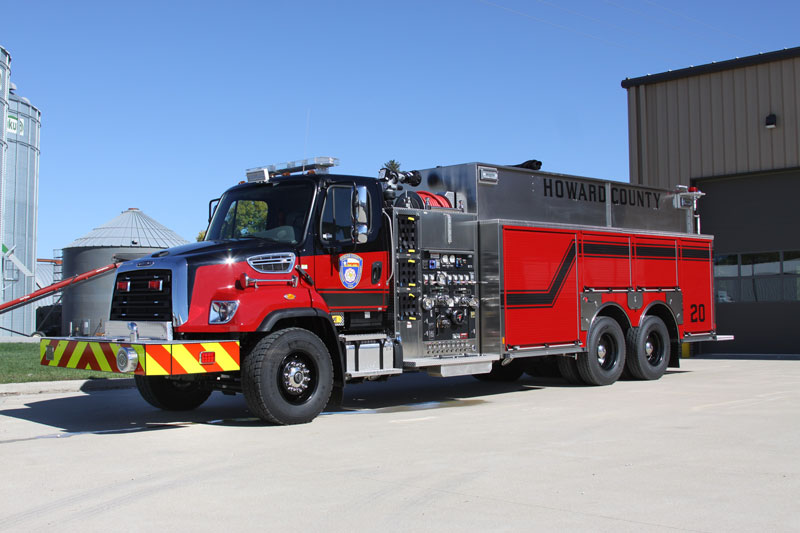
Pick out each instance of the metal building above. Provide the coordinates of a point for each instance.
(732, 129)
(19, 207)
(133, 234)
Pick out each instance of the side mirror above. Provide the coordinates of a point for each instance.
(212, 208)
(360, 214)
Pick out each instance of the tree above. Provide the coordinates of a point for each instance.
(392, 165)
(201, 236)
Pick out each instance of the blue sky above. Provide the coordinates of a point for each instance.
(163, 105)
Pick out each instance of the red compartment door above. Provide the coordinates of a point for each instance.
(540, 294)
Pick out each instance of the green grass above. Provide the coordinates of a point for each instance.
(19, 363)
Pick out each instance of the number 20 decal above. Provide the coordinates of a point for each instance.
(698, 313)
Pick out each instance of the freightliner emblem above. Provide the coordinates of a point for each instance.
(145, 263)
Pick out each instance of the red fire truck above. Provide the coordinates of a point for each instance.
(307, 281)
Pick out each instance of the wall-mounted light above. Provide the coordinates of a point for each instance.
(771, 121)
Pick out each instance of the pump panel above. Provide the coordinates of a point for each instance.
(436, 286)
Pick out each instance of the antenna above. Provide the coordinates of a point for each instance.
(308, 127)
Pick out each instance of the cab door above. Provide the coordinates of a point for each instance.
(351, 276)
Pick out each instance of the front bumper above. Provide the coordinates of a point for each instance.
(155, 358)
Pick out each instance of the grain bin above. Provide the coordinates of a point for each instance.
(132, 234)
(19, 208)
(5, 74)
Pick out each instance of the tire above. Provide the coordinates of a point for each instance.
(604, 359)
(568, 368)
(171, 394)
(287, 377)
(648, 349)
(510, 372)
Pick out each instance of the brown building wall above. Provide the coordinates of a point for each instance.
(713, 124)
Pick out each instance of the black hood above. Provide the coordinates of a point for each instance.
(204, 252)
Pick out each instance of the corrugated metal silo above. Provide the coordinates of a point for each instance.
(85, 308)
(19, 209)
(5, 74)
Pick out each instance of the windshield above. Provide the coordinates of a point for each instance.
(275, 211)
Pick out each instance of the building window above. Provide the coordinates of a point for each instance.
(761, 277)
(726, 278)
(791, 276)
(757, 277)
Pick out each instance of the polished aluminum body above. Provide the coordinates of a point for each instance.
(511, 193)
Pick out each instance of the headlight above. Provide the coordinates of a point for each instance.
(222, 311)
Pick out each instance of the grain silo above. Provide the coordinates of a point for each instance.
(19, 209)
(132, 234)
(5, 73)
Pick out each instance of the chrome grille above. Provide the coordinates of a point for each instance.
(143, 300)
(278, 263)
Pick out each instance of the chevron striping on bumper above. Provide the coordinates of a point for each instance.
(154, 359)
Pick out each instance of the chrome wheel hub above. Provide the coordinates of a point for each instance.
(296, 377)
(649, 348)
(601, 353)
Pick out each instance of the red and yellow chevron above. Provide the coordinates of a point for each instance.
(155, 359)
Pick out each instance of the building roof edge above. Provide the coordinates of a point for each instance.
(739, 62)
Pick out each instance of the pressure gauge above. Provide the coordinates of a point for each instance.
(451, 260)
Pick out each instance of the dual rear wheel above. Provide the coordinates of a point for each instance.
(644, 353)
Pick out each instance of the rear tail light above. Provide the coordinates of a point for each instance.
(124, 286)
(207, 358)
(155, 284)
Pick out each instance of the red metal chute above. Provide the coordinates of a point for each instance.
(55, 287)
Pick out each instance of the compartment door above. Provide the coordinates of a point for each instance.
(540, 292)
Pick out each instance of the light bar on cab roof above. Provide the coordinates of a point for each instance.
(320, 165)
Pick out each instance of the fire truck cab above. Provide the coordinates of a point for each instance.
(308, 280)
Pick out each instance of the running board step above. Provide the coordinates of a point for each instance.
(453, 366)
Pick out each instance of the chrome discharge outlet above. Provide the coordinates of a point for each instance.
(127, 359)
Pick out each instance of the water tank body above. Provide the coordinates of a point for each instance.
(85, 307)
(19, 210)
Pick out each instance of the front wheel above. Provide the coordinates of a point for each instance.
(604, 359)
(287, 377)
(171, 394)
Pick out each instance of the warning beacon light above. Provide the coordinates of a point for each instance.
(318, 165)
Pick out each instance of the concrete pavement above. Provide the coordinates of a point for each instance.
(710, 447)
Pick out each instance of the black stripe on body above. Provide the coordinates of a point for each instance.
(529, 299)
(601, 249)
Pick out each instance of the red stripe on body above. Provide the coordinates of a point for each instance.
(161, 355)
(67, 355)
(232, 349)
(88, 361)
(110, 356)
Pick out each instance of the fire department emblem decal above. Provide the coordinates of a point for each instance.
(350, 267)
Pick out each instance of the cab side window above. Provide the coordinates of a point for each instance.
(337, 217)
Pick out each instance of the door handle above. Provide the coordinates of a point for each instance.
(377, 269)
